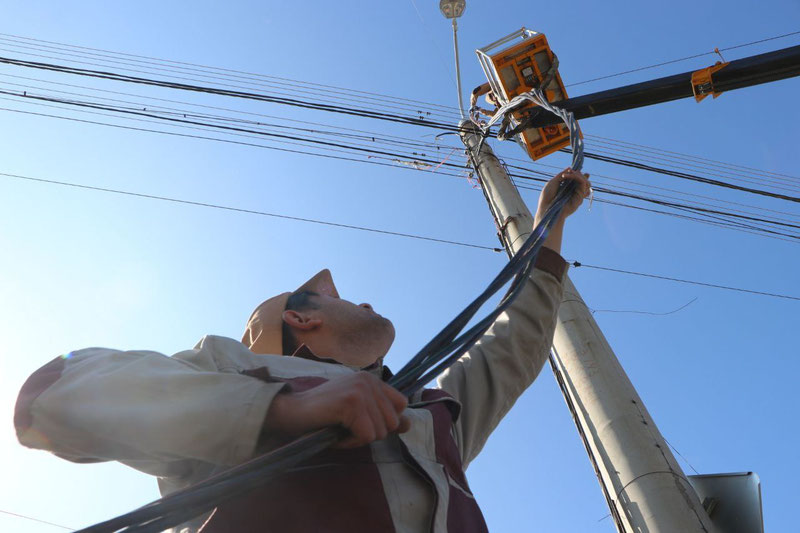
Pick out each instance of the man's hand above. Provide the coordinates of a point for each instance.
(548, 195)
(361, 403)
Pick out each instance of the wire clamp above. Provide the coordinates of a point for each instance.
(703, 83)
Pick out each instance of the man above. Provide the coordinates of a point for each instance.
(308, 360)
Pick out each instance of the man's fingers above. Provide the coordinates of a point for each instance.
(363, 432)
(376, 415)
(399, 401)
(389, 416)
(405, 425)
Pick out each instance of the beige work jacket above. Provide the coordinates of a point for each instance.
(188, 416)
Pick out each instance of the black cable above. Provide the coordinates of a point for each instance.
(178, 507)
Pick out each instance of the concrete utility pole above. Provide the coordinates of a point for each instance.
(645, 487)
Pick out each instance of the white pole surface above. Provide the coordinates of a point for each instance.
(645, 487)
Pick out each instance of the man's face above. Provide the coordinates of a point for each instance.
(365, 335)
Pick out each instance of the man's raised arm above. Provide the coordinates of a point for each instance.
(489, 378)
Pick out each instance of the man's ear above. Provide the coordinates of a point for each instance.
(301, 321)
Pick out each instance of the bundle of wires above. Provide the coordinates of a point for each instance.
(437, 355)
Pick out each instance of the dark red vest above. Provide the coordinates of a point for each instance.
(340, 491)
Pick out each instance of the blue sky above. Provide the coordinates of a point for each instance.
(84, 268)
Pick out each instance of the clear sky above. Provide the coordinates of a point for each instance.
(85, 268)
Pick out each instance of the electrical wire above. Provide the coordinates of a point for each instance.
(578, 264)
(343, 148)
(420, 237)
(234, 74)
(653, 149)
(376, 138)
(247, 211)
(280, 89)
(774, 183)
(714, 168)
(245, 75)
(226, 92)
(365, 113)
(444, 349)
(690, 177)
(670, 62)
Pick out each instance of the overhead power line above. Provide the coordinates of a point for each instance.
(259, 83)
(695, 56)
(700, 283)
(691, 177)
(351, 111)
(247, 95)
(248, 211)
(324, 91)
(700, 162)
(771, 182)
(422, 159)
(370, 138)
(361, 228)
(233, 73)
(648, 148)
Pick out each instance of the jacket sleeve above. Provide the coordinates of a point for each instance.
(142, 408)
(489, 378)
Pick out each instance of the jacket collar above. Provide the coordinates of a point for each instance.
(377, 368)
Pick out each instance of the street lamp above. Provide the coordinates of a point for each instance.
(452, 9)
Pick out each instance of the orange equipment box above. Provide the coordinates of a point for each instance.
(513, 70)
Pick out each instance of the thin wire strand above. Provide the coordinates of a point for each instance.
(26, 517)
(639, 312)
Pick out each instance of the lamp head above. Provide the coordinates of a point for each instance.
(452, 9)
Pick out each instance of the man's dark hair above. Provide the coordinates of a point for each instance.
(298, 301)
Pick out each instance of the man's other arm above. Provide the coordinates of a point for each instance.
(141, 408)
